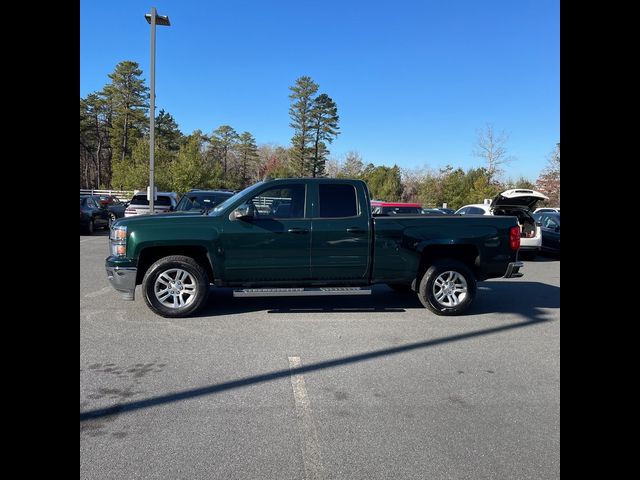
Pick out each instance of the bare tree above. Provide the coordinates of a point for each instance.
(549, 180)
(491, 147)
(332, 167)
(411, 181)
(353, 166)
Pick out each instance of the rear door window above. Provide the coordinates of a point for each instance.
(337, 200)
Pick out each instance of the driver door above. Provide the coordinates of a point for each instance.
(274, 245)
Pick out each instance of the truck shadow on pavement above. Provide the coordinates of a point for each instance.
(522, 298)
(383, 300)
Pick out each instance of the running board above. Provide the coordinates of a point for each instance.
(300, 292)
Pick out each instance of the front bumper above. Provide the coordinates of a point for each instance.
(513, 270)
(123, 279)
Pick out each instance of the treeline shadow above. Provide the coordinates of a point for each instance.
(216, 388)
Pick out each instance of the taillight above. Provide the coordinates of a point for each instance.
(514, 238)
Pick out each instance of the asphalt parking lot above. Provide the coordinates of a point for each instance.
(362, 387)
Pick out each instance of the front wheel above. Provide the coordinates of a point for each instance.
(175, 286)
(447, 288)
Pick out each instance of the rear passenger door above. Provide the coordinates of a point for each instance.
(341, 236)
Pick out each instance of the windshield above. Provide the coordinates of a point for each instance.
(218, 210)
(201, 201)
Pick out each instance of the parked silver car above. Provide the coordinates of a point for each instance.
(139, 205)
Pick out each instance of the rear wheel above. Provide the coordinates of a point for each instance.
(90, 227)
(175, 286)
(447, 287)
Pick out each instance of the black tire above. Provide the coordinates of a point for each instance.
(400, 287)
(438, 279)
(90, 227)
(196, 281)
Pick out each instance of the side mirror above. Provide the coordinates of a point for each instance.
(244, 211)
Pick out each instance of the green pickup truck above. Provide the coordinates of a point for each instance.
(307, 236)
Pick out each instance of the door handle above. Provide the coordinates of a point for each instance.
(355, 230)
(298, 230)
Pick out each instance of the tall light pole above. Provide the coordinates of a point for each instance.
(153, 19)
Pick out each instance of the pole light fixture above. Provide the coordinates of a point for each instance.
(153, 19)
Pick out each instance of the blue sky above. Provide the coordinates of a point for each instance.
(414, 80)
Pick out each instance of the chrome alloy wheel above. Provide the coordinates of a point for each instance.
(450, 288)
(175, 288)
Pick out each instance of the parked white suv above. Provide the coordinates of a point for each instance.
(518, 202)
(139, 205)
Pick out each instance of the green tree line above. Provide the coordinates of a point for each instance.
(114, 151)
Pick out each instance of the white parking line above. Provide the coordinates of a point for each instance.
(313, 468)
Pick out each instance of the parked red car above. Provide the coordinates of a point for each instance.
(115, 206)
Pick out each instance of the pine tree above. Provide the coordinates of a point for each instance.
(224, 140)
(128, 97)
(95, 151)
(301, 122)
(167, 134)
(324, 125)
(248, 156)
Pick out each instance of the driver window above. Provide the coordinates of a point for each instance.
(285, 201)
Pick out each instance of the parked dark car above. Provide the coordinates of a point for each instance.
(432, 211)
(201, 200)
(115, 206)
(550, 226)
(93, 214)
(448, 211)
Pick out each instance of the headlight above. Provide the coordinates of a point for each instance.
(118, 241)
